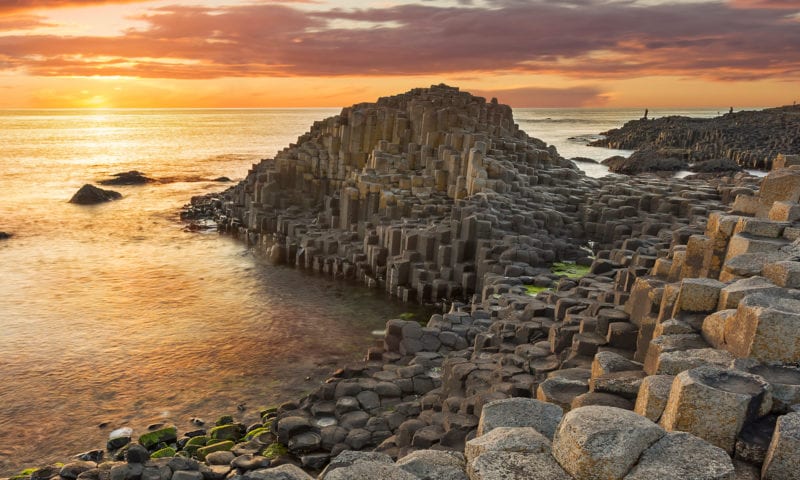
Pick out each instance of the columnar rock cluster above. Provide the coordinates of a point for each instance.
(675, 356)
(424, 193)
(686, 318)
(751, 139)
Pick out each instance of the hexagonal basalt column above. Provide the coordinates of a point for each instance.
(783, 456)
(765, 328)
(713, 403)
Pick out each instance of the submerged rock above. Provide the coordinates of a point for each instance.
(132, 177)
(91, 195)
(4, 235)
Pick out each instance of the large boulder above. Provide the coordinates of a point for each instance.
(91, 195)
(682, 456)
(597, 442)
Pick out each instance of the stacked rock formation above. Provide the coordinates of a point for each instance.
(751, 139)
(425, 193)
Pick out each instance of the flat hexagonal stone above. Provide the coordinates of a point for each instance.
(435, 464)
(351, 457)
(369, 471)
(765, 328)
(508, 439)
(520, 412)
(283, 472)
(515, 466)
(682, 456)
(713, 403)
(598, 442)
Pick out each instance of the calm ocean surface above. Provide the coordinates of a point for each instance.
(113, 315)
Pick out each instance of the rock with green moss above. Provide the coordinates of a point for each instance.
(569, 269)
(255, 433)
(227, 432)
(24, 475)
(224, 420)
(200, 440)
(194, 444)
(163, 435)
(274, 450)
(214, 447)
(164, 453)
(268, 413)
(533, 289)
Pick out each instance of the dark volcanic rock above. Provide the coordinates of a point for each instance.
(645, 161)
(90, 195)
(751, 139)
(583, 160)
(132, 177)
(715, 165)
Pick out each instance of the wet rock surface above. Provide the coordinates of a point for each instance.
(132, 177)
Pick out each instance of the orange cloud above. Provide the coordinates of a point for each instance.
(583, 39)
(771, 4)
(21, 5)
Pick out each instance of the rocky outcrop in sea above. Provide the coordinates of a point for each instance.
(670, 350)
(749, 139)
(91, 195)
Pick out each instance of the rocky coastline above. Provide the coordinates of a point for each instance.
(672, 354)
(749, 139)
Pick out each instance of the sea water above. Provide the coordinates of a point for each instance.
(113, 315)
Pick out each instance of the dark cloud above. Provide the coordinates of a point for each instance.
(583, 38)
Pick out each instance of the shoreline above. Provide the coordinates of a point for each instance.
(646, 314)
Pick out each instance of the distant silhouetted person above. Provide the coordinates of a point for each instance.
(731, 110)
(645, 113)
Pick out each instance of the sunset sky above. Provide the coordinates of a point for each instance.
(326, 53)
